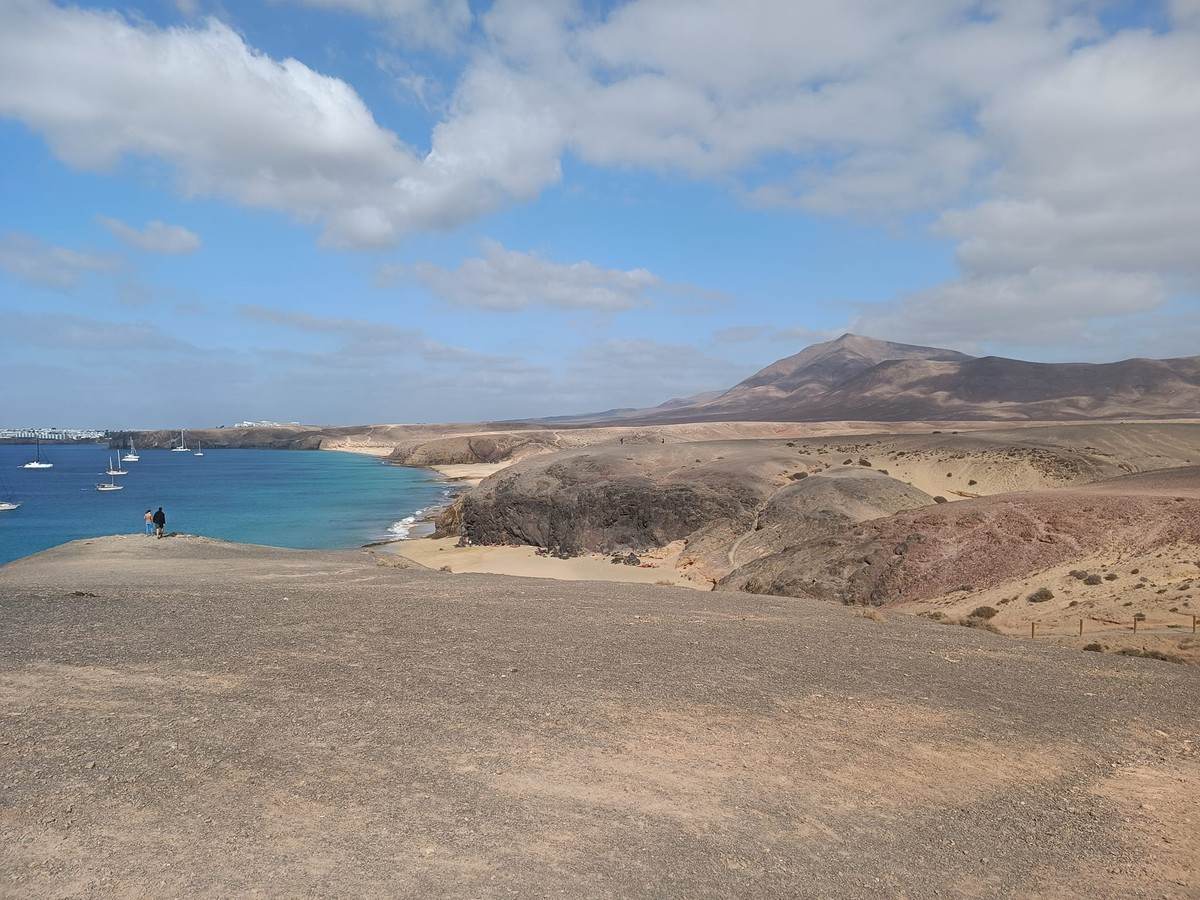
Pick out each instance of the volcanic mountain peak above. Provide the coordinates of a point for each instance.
(826, 364)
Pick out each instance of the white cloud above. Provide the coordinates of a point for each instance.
(1053, 154)
(1100, 164)
(235, 123)
(503, 279)
(36, 262)
(156, 237)
(439, 24)
(1044, 306)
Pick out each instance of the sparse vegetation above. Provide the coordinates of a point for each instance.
(940, 499)
(983, 612)
(1094, 647)
(1041, 595)
(1092, 579)
(1111, 576)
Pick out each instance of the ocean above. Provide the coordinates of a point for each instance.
(283, 498)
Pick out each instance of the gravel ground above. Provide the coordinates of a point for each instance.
(191, 718)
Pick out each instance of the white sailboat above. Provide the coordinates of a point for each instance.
(183, 447)
(131, 456)
(199, 449)
(8, 499)
(111, 484)
(37, 462)
(114, 469)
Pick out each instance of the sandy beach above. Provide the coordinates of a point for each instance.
(660, 566)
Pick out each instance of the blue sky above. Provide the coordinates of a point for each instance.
(407, 210)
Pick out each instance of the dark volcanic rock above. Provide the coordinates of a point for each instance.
(583, 500)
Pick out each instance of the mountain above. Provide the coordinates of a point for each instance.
(855, 377)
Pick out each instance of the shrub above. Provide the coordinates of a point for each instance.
(1078, 573)
(940, 499)
(1140, 617)
(796, 476)
(1041, 595)
(1094, 647)
(865, 462)
(1092, 579)
(972, 483)
(983, 612)
(1111, 576)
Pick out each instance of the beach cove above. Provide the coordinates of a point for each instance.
(285, 498)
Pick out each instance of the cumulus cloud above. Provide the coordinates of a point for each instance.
(439, 24)
(234, 123)
(156, 237)
(1052, 152)
(1043, 306)
(1100, 168)
(45, 265)
(503, 279)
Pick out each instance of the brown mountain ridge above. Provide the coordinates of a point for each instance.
(855, 377)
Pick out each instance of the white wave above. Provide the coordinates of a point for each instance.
(402, 528)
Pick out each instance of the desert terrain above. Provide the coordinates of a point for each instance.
(192, 718)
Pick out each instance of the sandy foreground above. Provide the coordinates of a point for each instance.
(193, 718)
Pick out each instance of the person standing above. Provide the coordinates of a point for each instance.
(160, 522)
(149, 520)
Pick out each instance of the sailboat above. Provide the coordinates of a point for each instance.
(111, 484)
(199, 449)
(131, 456)
(8, 500)
(37, 462)
(182, 448)
(114, 470)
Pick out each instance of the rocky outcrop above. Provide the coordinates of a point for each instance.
(606, 500)
(473, 448)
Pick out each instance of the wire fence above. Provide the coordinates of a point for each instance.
(1135, 624)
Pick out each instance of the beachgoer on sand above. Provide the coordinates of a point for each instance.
(148, 518)
(160, 522)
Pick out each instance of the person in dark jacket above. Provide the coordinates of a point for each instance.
(160, 522)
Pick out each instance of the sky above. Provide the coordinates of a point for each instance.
(351, 211)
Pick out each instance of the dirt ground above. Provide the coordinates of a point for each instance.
(192, 718)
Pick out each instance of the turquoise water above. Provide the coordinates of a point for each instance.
(285, 498)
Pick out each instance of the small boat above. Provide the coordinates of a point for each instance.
(131, 456)
(183, 447)
(37, 462)
(199, 450)
(8, 500)
(114, 470)
(110, 485)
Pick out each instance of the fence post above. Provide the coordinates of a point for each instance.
(1081, 627)
(1135, 624)
(1193, 624)
(1033, 629)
